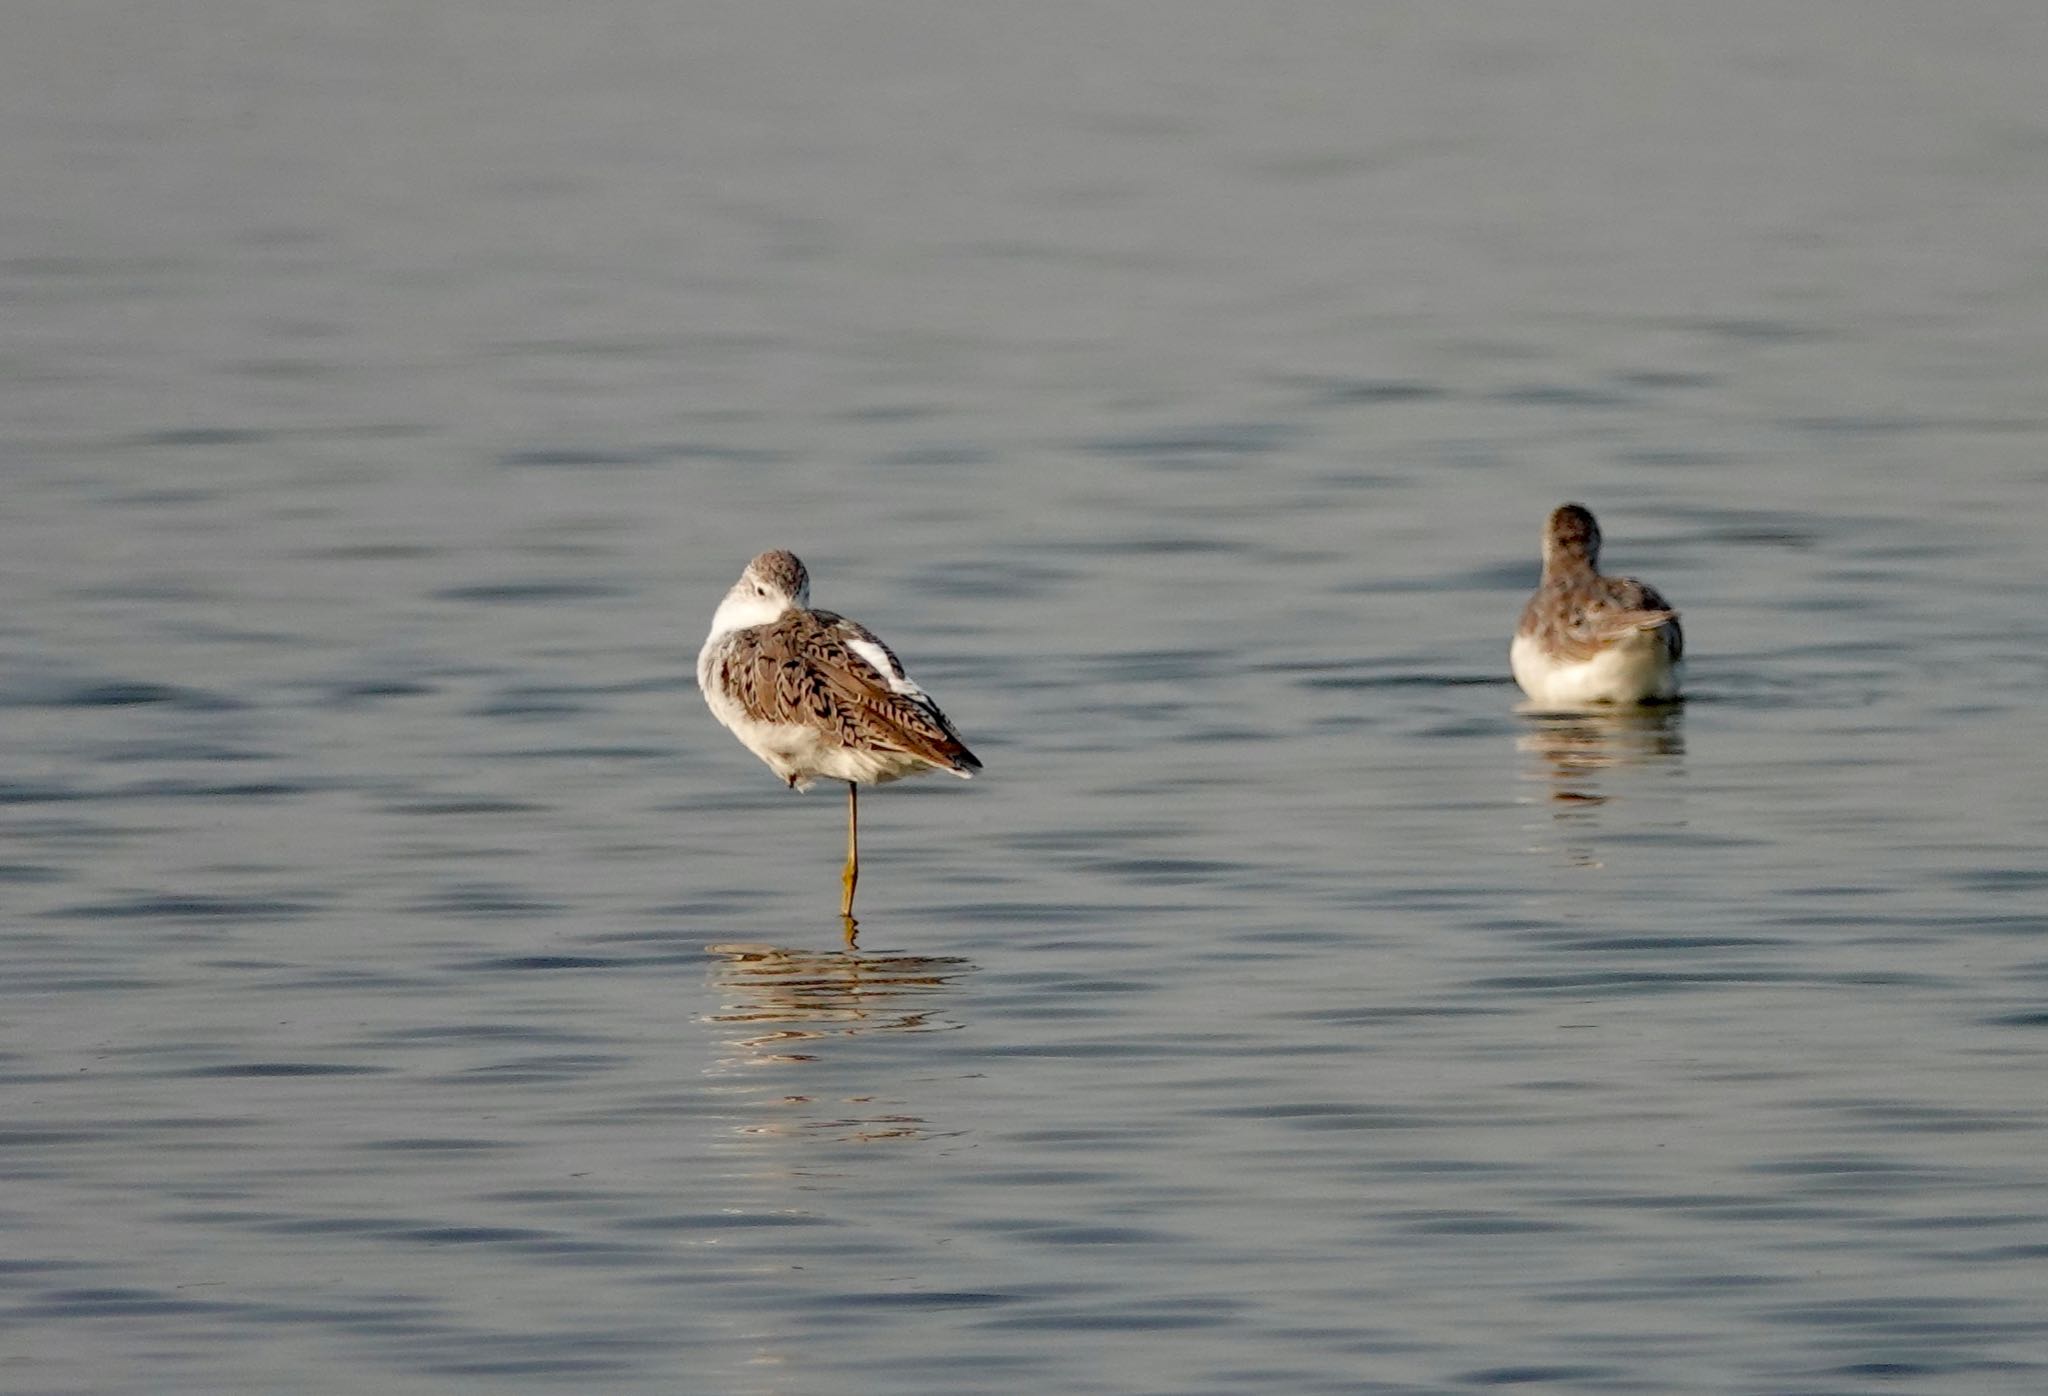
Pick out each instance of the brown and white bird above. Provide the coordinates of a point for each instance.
(1586, 640)
(816, 695)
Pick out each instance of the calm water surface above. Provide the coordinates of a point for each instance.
(408, 987)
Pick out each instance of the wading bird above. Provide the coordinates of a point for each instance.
(815, 695)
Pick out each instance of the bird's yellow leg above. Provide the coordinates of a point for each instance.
(852, 875)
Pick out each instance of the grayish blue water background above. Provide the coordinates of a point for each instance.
(405, 986)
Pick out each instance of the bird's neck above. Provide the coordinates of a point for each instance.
(744, 611)
(1563, 567)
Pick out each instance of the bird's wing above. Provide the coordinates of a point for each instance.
(1653, 612)
(821, 670)
(1579, 621)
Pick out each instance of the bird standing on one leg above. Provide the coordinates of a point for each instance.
(1588, 640)
(814, 695)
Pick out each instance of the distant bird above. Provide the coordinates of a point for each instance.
(814, 694)
(1586, 640)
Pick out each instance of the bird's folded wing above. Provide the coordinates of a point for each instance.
(803, 670)
(1583, 622)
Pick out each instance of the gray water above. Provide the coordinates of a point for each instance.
(409, 987)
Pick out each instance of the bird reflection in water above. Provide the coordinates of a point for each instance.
(789, 1007)
(1590, 758)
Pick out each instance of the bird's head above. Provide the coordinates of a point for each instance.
(773, 584)
(1571, 537)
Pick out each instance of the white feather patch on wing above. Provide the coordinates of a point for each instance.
(884, 664)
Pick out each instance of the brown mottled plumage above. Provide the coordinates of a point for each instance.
(803, 670)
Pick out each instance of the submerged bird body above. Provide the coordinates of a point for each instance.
(818, 696)
(1587, 640)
